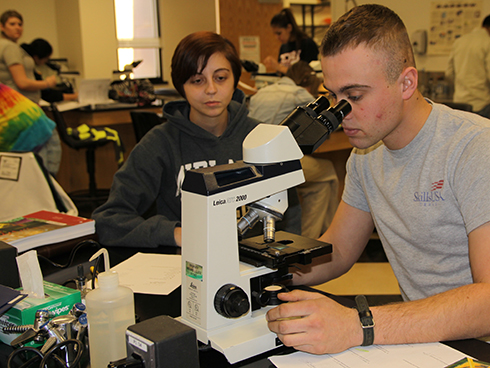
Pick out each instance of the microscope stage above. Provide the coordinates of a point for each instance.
(287, 249)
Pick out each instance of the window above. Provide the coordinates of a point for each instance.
(138, 37)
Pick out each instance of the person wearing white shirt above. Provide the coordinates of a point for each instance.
(469, 68)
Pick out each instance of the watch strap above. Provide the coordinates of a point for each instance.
(366, 318)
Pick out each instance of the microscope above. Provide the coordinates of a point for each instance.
(229, 282)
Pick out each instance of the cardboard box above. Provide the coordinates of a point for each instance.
(59, 300)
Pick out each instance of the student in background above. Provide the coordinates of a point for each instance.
(17, 72)
(271, 105)
(16, 66)
(295, 44)
(25, 127)
(469, 68)
(41, 50)
(205, 129)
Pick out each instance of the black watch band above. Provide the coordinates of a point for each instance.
(367, 321)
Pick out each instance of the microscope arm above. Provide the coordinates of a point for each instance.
(310, 125)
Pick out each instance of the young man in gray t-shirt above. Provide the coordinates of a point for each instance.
(419, 174)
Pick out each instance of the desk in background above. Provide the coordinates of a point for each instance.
(72, 174)
(337, 149)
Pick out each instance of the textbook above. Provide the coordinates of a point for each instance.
(44, 227)
(468, 363)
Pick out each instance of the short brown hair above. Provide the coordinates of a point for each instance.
(6, 15)
(304, 76)
(193, 52)
(377, 27)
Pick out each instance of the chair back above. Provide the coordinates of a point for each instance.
(63, 128)
(143, 122)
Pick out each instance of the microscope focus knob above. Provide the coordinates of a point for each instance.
(231, 301)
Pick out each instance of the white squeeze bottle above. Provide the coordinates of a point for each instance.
(110, 310)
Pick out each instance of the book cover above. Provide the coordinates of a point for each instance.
(44, 227)
(468, 363)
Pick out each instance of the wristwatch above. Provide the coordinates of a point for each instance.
(367, 321)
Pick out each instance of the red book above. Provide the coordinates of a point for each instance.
(44, 227)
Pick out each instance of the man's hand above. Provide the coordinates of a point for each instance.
(314, 323)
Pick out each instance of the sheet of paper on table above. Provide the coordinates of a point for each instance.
(433, 355)
(149, 273)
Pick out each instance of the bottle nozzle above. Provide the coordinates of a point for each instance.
(107, 266)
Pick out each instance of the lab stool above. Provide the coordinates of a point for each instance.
(88, 138)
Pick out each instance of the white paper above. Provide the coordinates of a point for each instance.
(250, 48)
(30, 274)
(433, 355)
(147, 273)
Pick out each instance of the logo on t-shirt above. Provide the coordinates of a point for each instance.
(430, 198)
(289, 58)
(437, 185)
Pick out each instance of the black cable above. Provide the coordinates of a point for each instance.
(50, 355)
(24, 349)
(74, 363)
(69, 282)
(72, 253)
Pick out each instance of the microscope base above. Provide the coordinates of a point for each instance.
(242, 339)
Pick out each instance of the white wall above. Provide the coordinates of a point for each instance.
(178, 18)
(415, 14)
(81, 30)
(69, 33)
(98, 38)
(84, 32)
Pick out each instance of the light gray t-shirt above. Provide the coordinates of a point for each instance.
(10, 54)
(271, 104)
(426, 198)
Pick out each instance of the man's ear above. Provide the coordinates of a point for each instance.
(409, 82)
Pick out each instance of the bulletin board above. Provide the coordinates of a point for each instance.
(450, 20)
(243, 18)
(246, 23)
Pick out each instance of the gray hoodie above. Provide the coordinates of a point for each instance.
(154, 172)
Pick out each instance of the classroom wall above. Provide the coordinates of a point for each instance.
(178, 19)
(69, 33)
(415, 14)
(83, 30)
(250, 18)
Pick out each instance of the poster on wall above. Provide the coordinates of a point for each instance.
(450, 20)
(250, 48)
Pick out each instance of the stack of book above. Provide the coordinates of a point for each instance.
(42, 228)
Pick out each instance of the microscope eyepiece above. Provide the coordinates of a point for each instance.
(341, 110)
(333, 116)
(311, 124)
(320, 104)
